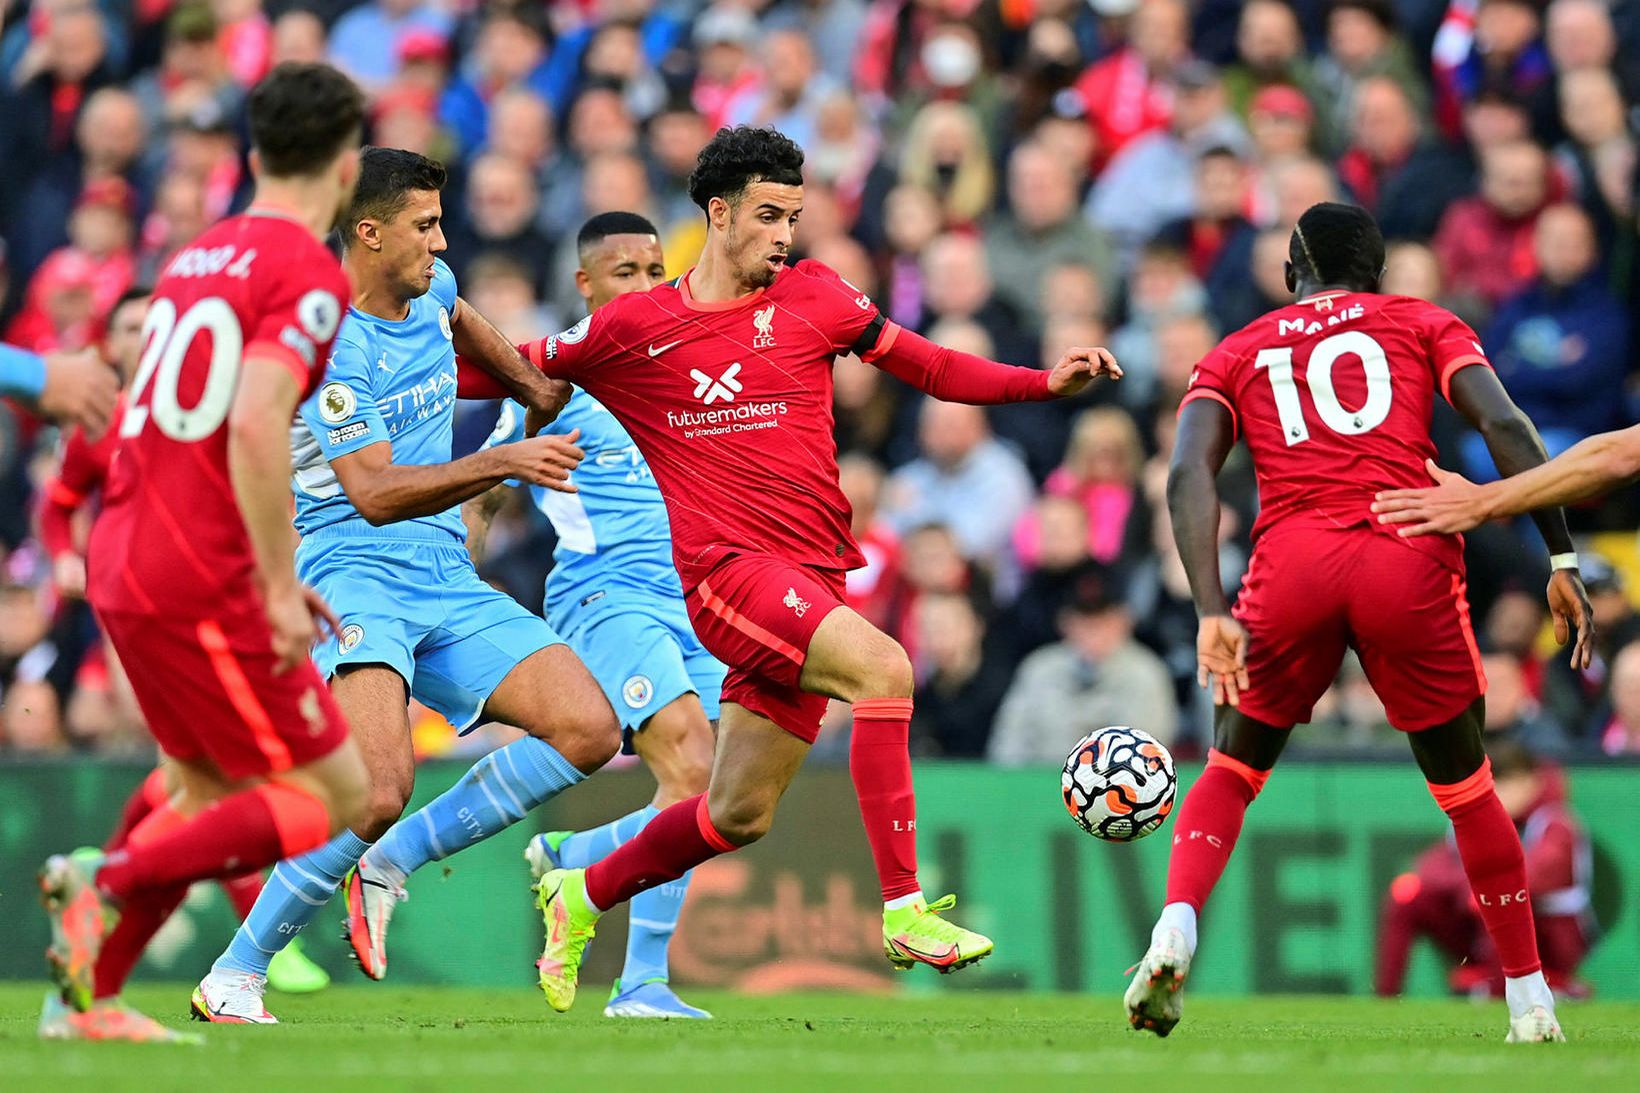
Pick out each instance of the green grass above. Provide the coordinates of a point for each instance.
(381, 1038)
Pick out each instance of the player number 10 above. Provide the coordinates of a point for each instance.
(1318, 375)
(168, 338)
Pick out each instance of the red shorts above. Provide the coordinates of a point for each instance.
(1310, 593)
(756, 613)
(208, 690)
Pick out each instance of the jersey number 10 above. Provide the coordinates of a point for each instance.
(167, 339)
(1279, 363)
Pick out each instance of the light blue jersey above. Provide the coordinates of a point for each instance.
(393, 381)
(407, 593)
(613, 591)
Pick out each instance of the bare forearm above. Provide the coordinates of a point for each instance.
(478, 513)
(479, 343)
(1587, 469)
(1193, 505)
(1516, 448)
(394, 492)
(259, 467)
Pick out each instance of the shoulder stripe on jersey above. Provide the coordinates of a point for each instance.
(1219, 397)
(1453, 368)
(867, 341)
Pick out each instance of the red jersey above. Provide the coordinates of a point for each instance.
(80, 476)
(1334, 396)
(170, 538)
(731, 406)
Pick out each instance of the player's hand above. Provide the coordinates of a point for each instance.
(544, 460)
(80, 388)
(1221, 658)
(294, 614)
(544, 410)
(1569, 604)
(68, 574)
(1453, 504)
(1080, 367)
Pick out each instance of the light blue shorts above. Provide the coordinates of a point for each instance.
(417, 605)
(644, 656)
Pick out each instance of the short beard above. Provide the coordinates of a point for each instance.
(757, 275)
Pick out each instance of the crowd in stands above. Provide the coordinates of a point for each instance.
(1008, 177)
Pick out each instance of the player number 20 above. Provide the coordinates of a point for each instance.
(167, 338)
(1279, 363)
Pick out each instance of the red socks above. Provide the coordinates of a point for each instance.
(139, 922)
(1208, 824)
(244, 831)
(242, 892)
(143, 800)
(879, 761)
(670, 845)
(1496, 867)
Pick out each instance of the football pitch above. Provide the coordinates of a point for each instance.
(448, 1039)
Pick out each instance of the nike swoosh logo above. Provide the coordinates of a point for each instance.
(655, 351)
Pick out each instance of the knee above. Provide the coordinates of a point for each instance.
(588, 739)
(383, 805)
(742, 820)
(888, 672)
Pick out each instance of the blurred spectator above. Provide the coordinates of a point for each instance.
(957, 283)
(1485, 242)
(1126, 93)
(1269, 54)
(1059, 558)
(728, 78)
(1404, 180)
(1598, 159)
(1162, 288)
(1297, 183)
(1571, 694)
(1150, 182)
(298, 36)
(1494, 47)
(59, 311)
(1362, 45)
(1433, 900)
(178, 216)
(500, 287)
(1038, 430)
(509, 50)
(1492, 119)
(1041, 228)
(1512, 628)
(1071, 292)
(99, 253)
(1411, 269)
(1281, 122)
(245, 38)
(501, 208)
(866, 411)
(1270, 269)
(931, 562)
(1621, 733)
(959, 686)
(192, 81)
(675, 135)
(788, 95)
(1097, 675)
(1218, 238)
(1100, 473)
(616, 57)
(911, 219)
(598, 124)
(364, 43)
(65, 63)
(1512, 713)
(833, 27)
(869, 588)
(1560, 339)
(945, 153)
(960, 461)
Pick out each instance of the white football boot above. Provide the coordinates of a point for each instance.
(1155, 998)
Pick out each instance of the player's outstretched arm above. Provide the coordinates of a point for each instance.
(1518, 451)
(385, 492)
(953, 376)
(480, 345)
(73, 387)
(1206, 433)
(1454, 504)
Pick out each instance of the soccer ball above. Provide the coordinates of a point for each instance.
(1119, 783)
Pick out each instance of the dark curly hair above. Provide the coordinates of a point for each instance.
(736, 158)
(302, 116)
(1336, 244)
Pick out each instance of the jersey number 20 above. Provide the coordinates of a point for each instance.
(168, 338)
(1372, 413)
